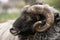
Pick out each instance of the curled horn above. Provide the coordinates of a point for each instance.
(45, 11)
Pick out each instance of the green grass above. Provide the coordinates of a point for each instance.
(5, 16)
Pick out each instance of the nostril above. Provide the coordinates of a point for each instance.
(11, 29)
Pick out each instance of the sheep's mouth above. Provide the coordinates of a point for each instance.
(14, 32)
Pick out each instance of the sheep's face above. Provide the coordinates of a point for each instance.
(23, 25)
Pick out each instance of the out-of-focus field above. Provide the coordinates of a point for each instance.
(20, 4)
(5, 16)
(54, 3)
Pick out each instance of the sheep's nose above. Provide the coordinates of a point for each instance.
(13, 31)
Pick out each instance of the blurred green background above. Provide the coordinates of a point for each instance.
(54, 3)
(12, 9)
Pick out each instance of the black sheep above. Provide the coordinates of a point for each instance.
(23, 26)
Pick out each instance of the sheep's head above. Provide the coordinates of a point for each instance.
(36, 18)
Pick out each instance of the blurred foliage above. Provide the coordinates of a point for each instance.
(30, 1)
(6, 16)
(55, 3)
(20, 4)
